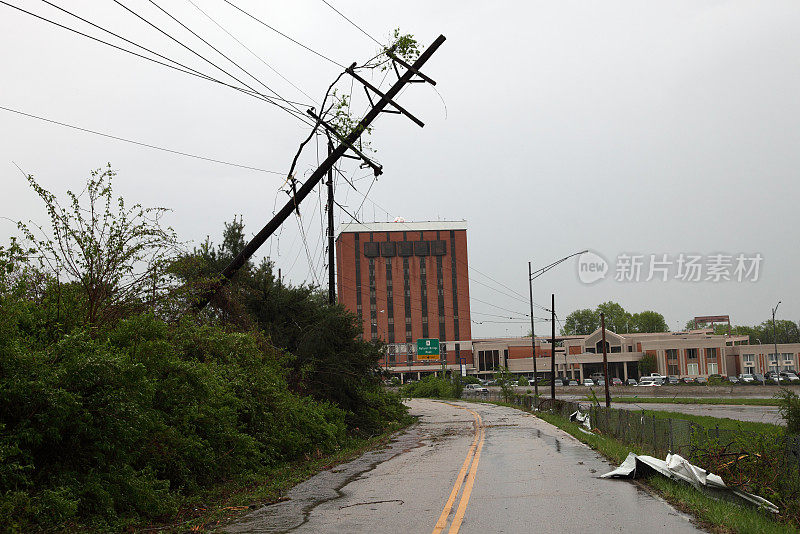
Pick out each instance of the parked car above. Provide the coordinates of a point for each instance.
(673, 380)
(559, 382)
(631, 382)
(746, 378)
(789, 376)
(475, 388)
(701, 380)
(759, 378)
(772, 376)
(648, 381)
(573, 382)
(616, 381)
(733, 380)
(588, 382)
(601, 382)
(687, 380)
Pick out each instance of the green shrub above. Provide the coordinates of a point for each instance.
(790, 409)
(430, 387)
(118, 428)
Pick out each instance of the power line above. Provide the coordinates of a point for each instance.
(171, 151)
(186, 70)
(217, 50)
(465, 264)
(351, 22)
(297, 114)
(284, 35)
(252, 52)
(519, 297)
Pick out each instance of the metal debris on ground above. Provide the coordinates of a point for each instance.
(678, 468)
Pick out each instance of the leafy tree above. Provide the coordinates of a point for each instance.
(581, 322)
(648, 321)
(617, 319)
(117, 255)
(326, 355)
(785, 331)
(506, 380)
(647, 364)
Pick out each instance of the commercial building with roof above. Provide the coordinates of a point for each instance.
(407, 281)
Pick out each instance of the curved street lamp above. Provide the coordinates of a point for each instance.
(532, 275)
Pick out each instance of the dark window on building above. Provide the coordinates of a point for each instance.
(438, 248)
(405, 248)
(454, 285)
(387, 249)
(407, 300)
(358, 284)
(711, 354)
(421, 248)
(691, 354)
(616, 348)
(372, 249)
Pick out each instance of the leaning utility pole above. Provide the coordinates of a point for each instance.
(346, 143)
(533, 336)
(331, 272)
(553, 347)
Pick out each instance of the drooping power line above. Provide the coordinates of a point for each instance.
(284, 35)
(139, 143)
(359, 28)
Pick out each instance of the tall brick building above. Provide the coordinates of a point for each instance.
(406, 281)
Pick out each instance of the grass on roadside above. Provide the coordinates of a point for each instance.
(718, 515)
(699, 400)
(722, 423)
(234, 498)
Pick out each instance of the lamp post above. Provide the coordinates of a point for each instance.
(775, 337)
(531, 276)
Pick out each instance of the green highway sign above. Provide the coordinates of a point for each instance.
(427, 349)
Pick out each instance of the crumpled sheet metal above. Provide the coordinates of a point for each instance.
(678, 468)
(582, 418)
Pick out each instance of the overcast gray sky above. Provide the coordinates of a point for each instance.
(621, 127)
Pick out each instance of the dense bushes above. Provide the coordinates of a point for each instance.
(120, 427)
(430, 387)
(117, 404)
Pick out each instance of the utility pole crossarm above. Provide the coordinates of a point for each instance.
(384, 97)
(377, 169)
(284, 213)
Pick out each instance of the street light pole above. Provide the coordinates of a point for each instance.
(775, 337)
(533, 336)
(531, 276)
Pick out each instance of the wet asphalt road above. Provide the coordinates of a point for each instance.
(509, 473)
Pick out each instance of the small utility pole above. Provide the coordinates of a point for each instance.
(775, 337)
(533, 336)
(605, 358)
(553, 347)
(331, 271)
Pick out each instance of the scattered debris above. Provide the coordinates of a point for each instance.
(583, 419)
(678, 468)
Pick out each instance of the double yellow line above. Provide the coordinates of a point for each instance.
(468, 470)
